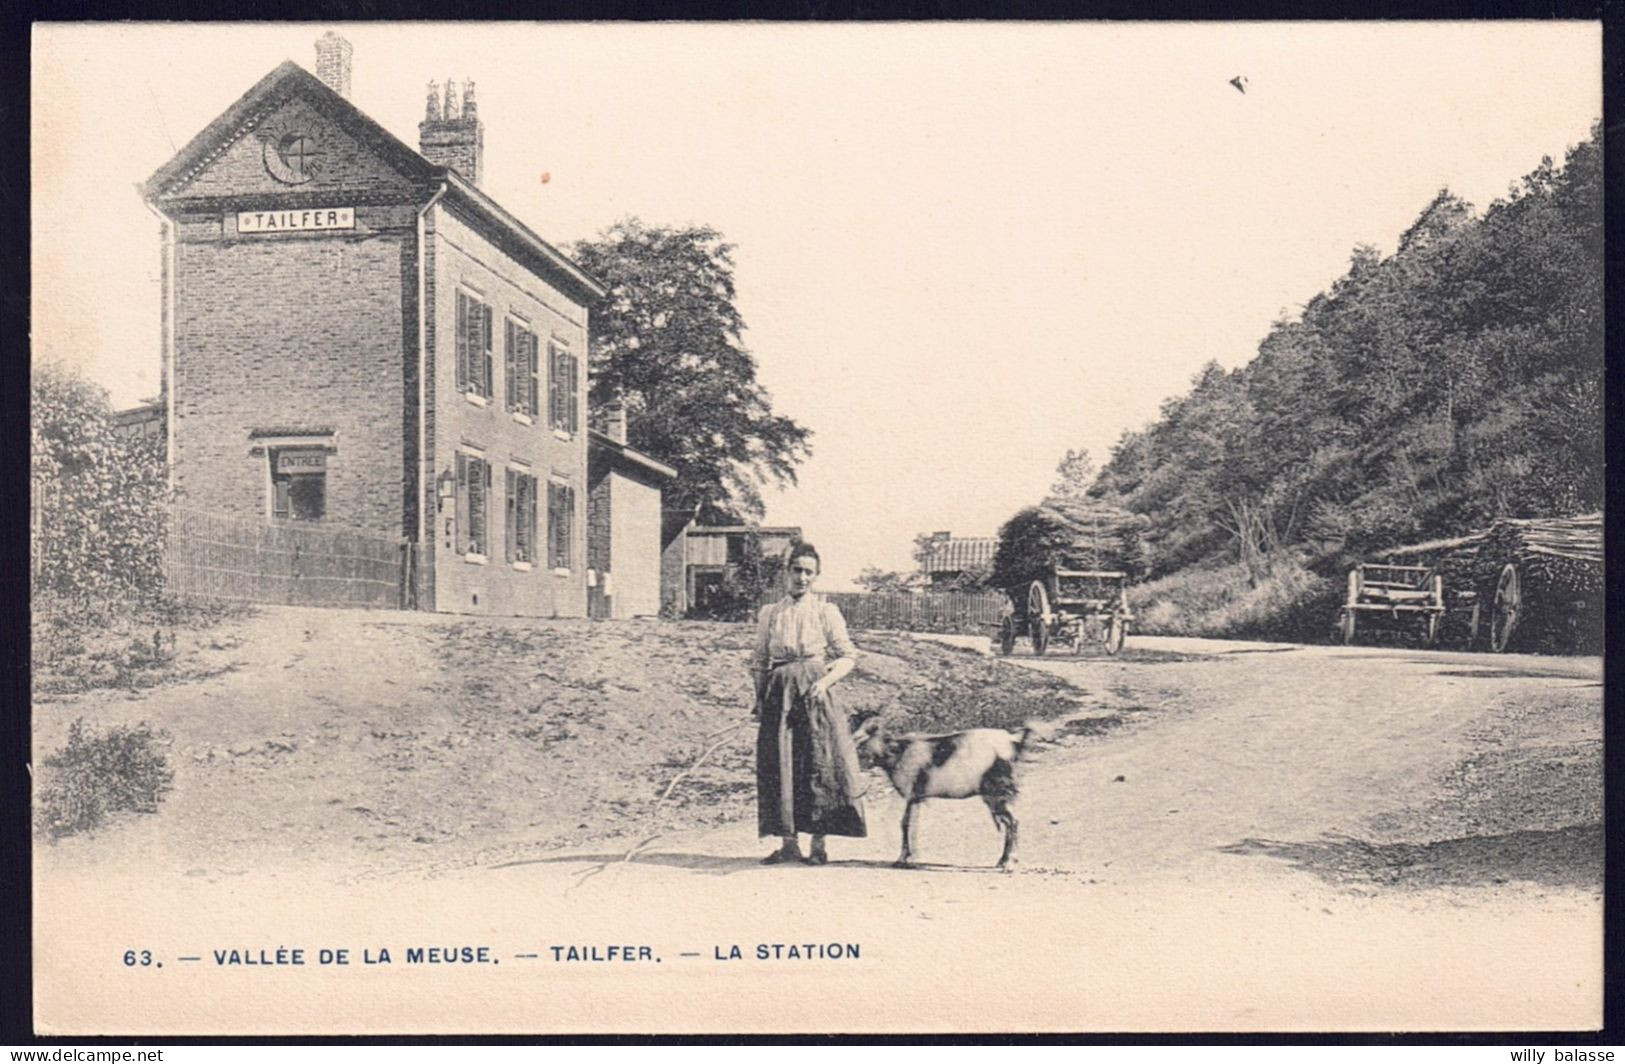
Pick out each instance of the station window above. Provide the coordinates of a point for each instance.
(473, 500)
(298, 484)
(473, 346)
(561, 515)
(521, 529)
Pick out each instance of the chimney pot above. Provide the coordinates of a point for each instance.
(451, 135)
(333, 62)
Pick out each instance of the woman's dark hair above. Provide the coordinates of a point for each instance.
(804, 550)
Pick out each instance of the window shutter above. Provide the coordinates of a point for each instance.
(530, 519)
(462, 342)
(507, 364)
(573, 397)
(510, 507)
(535, 358)
(552, 525)
(485, 327)
(552, 390)
(460, 532)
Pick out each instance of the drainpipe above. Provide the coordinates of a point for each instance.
(425, 474)
(167, 356)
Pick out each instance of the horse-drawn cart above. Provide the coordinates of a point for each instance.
(1079, 607)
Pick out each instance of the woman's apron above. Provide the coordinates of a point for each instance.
(807, 777)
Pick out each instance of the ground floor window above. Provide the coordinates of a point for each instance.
(473, 503)
(561, 513)
(298, 484)
(521, 517)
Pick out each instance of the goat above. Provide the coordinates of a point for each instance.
(980, 762)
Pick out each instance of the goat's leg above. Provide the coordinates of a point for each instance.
(907, 858)
(1007, 820)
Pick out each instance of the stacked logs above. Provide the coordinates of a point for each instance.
(1547, 575)
(1557, 583)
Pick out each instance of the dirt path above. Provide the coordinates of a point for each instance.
(1229, 836)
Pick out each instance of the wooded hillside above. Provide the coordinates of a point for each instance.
(1430, 392)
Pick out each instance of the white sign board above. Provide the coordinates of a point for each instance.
(302, 220)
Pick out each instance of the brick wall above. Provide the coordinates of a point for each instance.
(463, 259)
(292, 331)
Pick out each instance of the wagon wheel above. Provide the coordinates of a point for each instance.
(1115, 631)
(1007, 636)
(1508, 599)
(1346, 625)
(1038, 616)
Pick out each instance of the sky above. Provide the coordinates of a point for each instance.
(961, 249)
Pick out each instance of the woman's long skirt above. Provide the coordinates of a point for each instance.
(821, 792)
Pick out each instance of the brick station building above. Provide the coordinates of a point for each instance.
(357, 337)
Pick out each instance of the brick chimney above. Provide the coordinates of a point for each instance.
(450, 135)
(333, 62)
(615, 420)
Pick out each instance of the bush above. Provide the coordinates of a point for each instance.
(1288, 603)
(95, 775)
(98, 517)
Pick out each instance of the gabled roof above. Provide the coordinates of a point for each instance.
(290, 78)
(959, 553)
(270, 91)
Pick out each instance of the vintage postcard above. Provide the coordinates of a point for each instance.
(943, 528)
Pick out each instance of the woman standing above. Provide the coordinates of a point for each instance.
(806, 764)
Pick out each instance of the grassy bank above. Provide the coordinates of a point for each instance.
(1289, 603)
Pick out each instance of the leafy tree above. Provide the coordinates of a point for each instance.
(1425, 393)
(97, 497)
(667, 342)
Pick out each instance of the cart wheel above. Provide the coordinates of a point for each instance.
(1432, 637)
(1038, 616)
(1346, 626)
(1007, 636)
(1508, 597)
(1115, 633)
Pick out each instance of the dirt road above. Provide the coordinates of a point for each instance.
(1225, 837)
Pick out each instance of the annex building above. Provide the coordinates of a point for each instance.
(356, 336)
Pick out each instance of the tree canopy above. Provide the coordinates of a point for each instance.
(1456, 381)
(666, 341)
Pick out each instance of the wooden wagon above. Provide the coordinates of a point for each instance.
(1404, 597)
(1077, 607)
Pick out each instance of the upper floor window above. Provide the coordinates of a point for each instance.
(563, 389)
(522, 363)
(473, 346)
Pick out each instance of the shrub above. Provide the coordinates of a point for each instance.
(95, 775)
(98, 497)
(1289, 602)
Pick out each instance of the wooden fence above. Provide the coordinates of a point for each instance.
(949, 611)
(219, 557)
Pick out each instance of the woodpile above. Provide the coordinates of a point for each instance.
(1539, 580)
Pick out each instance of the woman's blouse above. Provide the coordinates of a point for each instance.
(792, 629)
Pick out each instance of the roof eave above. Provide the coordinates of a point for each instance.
(635, 456)
(471, 193)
